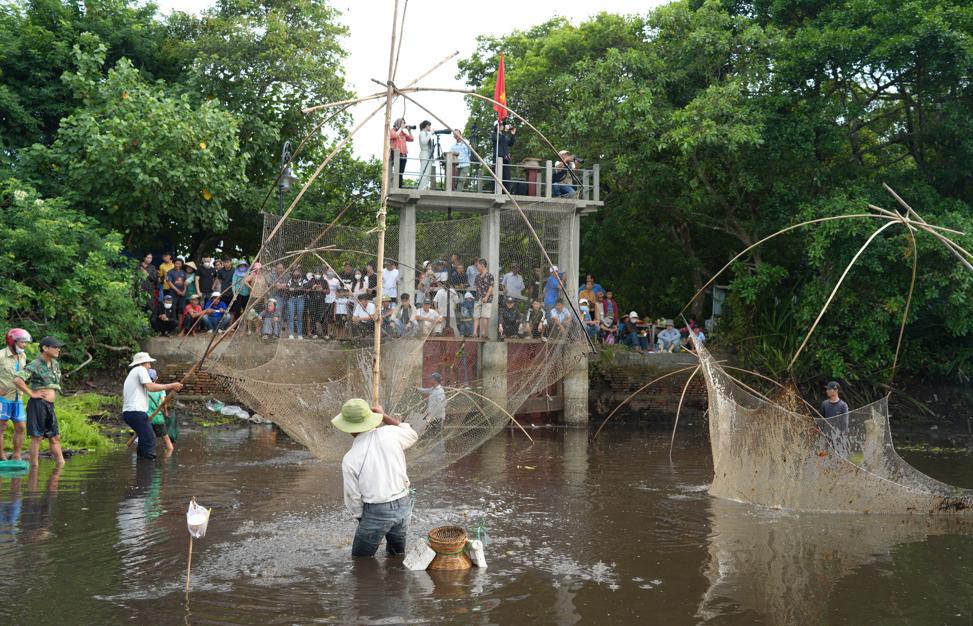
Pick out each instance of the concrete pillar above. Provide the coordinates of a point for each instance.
(493, 361)
(407, 250)
(490, 250)
(574, 458)
(568, 252)
(575, 386)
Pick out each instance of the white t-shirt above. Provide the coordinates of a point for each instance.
(373, 471)
(341, 308)
(332, 295)
(513, 285)
(390, 283)
(360, 312)
(428, 317)
(134, 395)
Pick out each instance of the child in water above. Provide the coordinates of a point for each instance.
(159, 421)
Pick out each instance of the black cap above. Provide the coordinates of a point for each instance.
(510, 300)
(832, 385)
(436, 377)
(51, 342)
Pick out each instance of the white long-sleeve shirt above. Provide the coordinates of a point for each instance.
(374, 468)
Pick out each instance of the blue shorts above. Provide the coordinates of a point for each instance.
(12, 410)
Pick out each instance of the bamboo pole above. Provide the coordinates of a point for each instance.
(383, 210)
(682, 396)
(189, 563)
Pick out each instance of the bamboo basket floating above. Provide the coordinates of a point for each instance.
(449, 544)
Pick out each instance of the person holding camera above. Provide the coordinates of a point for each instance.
(563, 176)
(427, 145)
(502, 139)
(399, 134)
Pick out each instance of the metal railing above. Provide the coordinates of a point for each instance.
(531, 178)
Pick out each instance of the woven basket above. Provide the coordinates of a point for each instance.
(448, 542)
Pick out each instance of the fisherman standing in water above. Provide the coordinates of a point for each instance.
(375, 480)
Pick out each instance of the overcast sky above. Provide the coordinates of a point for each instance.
(433, 30)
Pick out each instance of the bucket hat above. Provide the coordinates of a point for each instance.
(356, 417)
(140, 358)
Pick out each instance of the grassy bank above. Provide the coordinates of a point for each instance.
(78, 430)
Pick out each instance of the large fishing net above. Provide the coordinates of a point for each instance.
(301, 384)
(784, 457)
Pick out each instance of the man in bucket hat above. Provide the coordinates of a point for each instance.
(135, 402)
(375, 480)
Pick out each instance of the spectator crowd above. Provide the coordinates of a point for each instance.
(449, 298)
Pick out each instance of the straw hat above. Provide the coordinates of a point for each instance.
(192, 265)
(356, 417)
(141, 358)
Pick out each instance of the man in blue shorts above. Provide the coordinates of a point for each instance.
(13, 360)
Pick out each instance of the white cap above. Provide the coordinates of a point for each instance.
(425, 263)
(633, 315)
(583, 301)
(468, 295)
(141, 358)
(215, 294)
(553, 268)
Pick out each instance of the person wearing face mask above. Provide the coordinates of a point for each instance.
(372, 276)
(166, 318)
(13, 360)
(359, 284)
(317, 289)
(328, 316)
(206, 276)
(297, 291)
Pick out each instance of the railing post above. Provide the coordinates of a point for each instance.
(449, 172)
(585, 188)
(596, 183)
(548, 175)
(498, 168)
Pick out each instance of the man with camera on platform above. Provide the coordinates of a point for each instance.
(462, 152)
(563, 178)
(502, 138)
(399, 134)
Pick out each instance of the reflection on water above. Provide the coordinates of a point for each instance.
(607, 532)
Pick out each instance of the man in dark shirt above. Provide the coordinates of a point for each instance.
(207, 276)
(510, 320)
(834, 408)
(226, 278)
(501, 148)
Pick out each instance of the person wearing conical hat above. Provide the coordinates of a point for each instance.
(376, 483)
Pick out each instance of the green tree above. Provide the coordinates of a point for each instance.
(140, 160)
(63, 274)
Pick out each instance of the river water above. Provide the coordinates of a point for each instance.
(597, 533)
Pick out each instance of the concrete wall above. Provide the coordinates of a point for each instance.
(612, 380)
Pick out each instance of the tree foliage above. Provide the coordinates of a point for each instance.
(141, 161)
(719, 123)
(64, 275)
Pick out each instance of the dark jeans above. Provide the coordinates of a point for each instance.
(139, 422)
(389, 520)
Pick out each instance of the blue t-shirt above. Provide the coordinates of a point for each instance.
(219, 308)
(552, 289)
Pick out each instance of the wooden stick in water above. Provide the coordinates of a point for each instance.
(189, 563)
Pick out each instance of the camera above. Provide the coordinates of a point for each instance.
(410, 127)
(444, 131)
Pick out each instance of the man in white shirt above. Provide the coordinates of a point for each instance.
(446, 301)
(390, 281)
(135, 402)
(376, 482)
(427, 318)
(513, 284)
(364, 316)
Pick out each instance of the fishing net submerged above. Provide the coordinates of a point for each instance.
(301, 385)
(766, 454)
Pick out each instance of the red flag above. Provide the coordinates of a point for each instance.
(500, 94)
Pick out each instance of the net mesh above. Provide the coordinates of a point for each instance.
(301, 384)
(775, 455)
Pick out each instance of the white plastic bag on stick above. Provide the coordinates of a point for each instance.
(197, 517)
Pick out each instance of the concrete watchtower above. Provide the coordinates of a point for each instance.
(472, 192)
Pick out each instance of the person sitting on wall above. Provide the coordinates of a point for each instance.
(535, 323)
(464, 316)
(560, 320)
(669, 339)
(427, 319)
(629, 335)
(510, 320)
(166, 318)
(561, 186)
(364, 317)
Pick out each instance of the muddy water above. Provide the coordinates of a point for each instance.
(603, 533)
